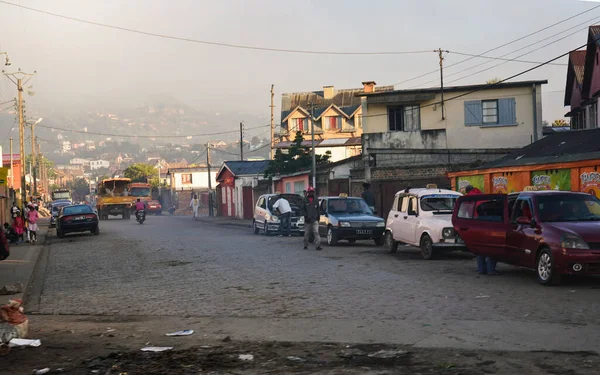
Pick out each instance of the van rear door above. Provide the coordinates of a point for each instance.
(482, 222)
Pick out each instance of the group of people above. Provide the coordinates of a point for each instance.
(310, 210)
(24, 224)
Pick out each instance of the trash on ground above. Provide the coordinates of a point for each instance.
(24, 343)
(388, 354)
(482, 296)
(11, 289)
(296, 359)
(185, 332)
(349, 353)
(41, 371)
(108, 330)
(13, 322)
(246, 357)
(156, 348)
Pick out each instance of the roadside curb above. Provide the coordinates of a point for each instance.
(232, 222)
(31, 288)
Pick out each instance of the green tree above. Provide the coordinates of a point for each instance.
(560, 123)
(141, 172)
(492, 81)
(79, 188)
(298, 158)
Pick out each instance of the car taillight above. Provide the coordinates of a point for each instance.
(67, 219)
(90, 216)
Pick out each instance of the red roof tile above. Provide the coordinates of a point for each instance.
(578, 61)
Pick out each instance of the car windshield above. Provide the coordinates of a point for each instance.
(140, 192)
(61, 195)
(76, 210)
(348, 206)
(438, 202)
(568, 207)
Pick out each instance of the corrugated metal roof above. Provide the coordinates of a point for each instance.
(330, 142)
(333, 142)
(568, 146)
(240, 168)
(595, 30)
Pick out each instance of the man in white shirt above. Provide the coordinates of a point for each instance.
(285, 211)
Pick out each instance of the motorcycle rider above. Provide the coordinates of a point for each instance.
(140, 206)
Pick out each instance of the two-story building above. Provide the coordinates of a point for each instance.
(413, 137)
(582, 90)
(99, 164)
(336, 115)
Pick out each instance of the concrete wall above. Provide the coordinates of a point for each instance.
(199, 180)
(457, 134)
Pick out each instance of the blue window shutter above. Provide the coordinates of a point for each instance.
(507, 114)
(473, 113)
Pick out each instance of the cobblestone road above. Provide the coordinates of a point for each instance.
(174, 266)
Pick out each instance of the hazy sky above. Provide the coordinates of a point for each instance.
(80, 63)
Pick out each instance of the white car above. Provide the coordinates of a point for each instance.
(267, 219)
(423, 218)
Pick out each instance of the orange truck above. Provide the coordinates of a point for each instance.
(140, 190)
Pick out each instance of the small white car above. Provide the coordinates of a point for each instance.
(267, 219)
(423, 218)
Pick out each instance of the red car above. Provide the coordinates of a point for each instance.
(553, 232)
(154, 207)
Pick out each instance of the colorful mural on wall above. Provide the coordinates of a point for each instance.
(555, 179)
(504, 183)
(475, 181)
(590, 181)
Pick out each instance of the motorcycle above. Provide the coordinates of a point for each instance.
(140, 216)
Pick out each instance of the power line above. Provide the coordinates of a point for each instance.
(501, 46)
(212, 43)
(145, 136)
(501, 58)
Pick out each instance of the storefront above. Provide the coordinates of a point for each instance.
(568, 162)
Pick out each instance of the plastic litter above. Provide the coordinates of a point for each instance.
(186, 332)
(246, 357)
(13, 322)
(388, 354)
(156, 348)
(296, 359)
(41, 371)
(482, 297)
(24, 343)
(11, 289)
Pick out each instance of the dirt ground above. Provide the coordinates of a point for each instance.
(91, 356)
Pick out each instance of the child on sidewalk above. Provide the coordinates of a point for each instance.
(32, 218)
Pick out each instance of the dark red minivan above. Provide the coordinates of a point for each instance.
(553, 232)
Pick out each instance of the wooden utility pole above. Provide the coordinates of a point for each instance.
(241, 141)
(37, 167)
(210, 203)
(441, 56)
(272, 153)
(33, 161)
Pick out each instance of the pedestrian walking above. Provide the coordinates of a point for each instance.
(368, 196)
(19, 227)
(15, 210)
(485, 264)
(285, 217)
(311, 218)
(32, 218)
(195, 204)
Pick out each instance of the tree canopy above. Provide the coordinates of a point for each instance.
(298, 158)
(141, 172)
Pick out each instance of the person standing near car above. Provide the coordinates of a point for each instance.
(368, 196)
(285, 217)
(311, 218)
(485, 264)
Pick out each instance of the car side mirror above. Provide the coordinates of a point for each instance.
(522, 220)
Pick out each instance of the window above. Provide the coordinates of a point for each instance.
(262, 203)
(522, 209)
(298, 187)
(186, 179)
(491, 210)
(334, 122)
(404, 118)
(465, 211)
(497, 112)
(300, 124)
(412, 206)
(490, 111)
(288, 187)
(404, 204)
(358, 121)
(323, 206)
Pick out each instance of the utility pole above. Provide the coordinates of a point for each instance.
(272, 153)
(441, 56)
(241, 141)
(17, 79)
(12, 174)
(312, 139)
(210, 204)
(33, 161)
(37, 167)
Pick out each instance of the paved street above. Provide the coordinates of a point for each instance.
(173, 266)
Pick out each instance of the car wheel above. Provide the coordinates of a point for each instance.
(351, 241)
(427, 247)
(332, 237)
(545, 269)
(266, 228)
(379, 241)
(255, 229)
(96, 230)
(390, 243)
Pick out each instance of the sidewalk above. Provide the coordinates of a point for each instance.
(225, 220)
(20, 265)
